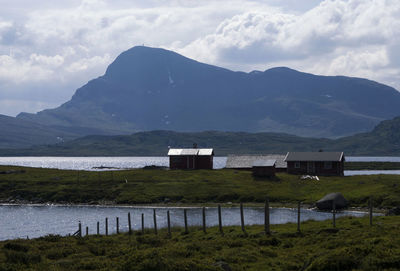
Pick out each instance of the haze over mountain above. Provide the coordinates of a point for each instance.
(155, 89)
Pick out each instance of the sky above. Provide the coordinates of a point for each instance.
(50, 48)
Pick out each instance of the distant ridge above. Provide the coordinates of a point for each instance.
(384, 140)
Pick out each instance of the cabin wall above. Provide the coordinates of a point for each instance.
(190, 162)
(316, 168)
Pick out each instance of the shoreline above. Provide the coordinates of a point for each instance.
(275, 205)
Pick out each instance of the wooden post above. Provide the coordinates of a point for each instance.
(220, 219)
(242, 218)
(129, 223)
(334, 213)
(370, 211)
(204, 219)
(80, 229)
(106, 226)
(98, 228)
(87, 230)
(298, 216)
(142, 223)
(169, 224)
(185, 220)
(266, 217)
(117, 222)
(155, 221)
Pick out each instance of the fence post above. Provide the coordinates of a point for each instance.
(185, 220)
(142, 223)
(80, 229)
(106, 225)
(87, 230)
(370, 211)
(266, 217)
(242, 218)
(117, 224)
(155, 221)
(169, 223)
(204, 219)
(98, 227)
(334, 213)
(129, 223)
(220, 219)
(298, 216)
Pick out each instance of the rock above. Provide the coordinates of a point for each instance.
(394, 211)
(326, 202)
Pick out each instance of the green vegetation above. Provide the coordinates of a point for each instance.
(146, 186)
(353, 245)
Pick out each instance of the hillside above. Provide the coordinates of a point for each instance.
(155, 89)
(383, 140)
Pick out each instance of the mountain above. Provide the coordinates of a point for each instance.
(155, 89)
(383, 140)
(18, 133)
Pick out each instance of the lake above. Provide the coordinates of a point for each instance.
(90, 163)
(22, 221)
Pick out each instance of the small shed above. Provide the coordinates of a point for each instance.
(191, 158)
(246, 162)
(316, 163)
(264, 168)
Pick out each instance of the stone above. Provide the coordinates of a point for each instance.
(326, 203)
(394, 211)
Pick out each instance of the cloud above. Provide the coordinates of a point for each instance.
(50, 48)
(355, 38)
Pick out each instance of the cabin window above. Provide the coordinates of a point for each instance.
(296, 164)
(328, 165)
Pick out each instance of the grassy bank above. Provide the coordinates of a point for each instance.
(353, 245)
(143, 186)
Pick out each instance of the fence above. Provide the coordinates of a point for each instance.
(204, 220)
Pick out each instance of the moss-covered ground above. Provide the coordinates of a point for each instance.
(151, 186)
(352, 245)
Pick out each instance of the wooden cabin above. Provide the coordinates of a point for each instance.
(264, 168)
(191, 158)
(315, 163)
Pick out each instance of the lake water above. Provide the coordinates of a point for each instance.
(20, 221)
(90, 163)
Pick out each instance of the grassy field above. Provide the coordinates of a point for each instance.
(353, 245)
(153, 186)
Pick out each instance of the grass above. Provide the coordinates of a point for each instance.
(353, 245)
(141, 186)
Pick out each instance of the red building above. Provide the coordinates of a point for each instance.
(315, 163)
(193, 158)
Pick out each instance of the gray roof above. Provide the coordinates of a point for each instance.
(247, 161)
(314, 156)
(264, 163)
(190, 151)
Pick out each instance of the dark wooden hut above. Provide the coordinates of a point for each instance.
(192, 158)
(316, 163)
(264, 168)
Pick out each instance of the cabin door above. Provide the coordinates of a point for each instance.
(311, 167)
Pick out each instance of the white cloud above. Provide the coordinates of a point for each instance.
(50, 48)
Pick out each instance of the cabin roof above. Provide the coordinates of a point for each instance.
(190, 151)
(314, 156)
(264, 163)
(247, 161)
